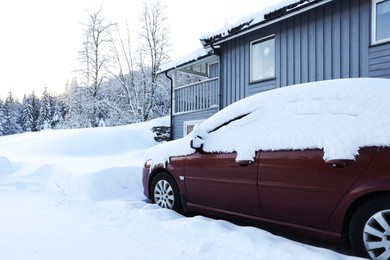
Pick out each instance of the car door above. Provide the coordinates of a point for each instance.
(215, 181)
(299, 187)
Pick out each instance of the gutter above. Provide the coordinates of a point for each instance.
(183, 65)
(266, 23)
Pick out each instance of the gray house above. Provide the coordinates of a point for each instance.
(300, 42)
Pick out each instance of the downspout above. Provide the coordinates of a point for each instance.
(171, 110)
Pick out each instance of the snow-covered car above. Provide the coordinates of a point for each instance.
(313, 159)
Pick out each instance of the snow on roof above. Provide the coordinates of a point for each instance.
(277, 9)
(338, 116)
(250, 20)
(193, 56)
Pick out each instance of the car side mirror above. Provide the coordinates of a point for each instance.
(196, 145)
(198, 136)
(342, 163)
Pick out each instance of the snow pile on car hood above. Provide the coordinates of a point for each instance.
(338, 116)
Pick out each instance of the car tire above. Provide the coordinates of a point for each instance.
(165, 192)
(369, 229)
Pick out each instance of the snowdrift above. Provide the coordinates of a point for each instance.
(77, 194)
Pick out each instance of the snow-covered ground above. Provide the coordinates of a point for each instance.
(77, 194)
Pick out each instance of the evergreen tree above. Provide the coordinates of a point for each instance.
(11, 123)
(45, 112)
(58, 112)
(35, 104)
(2, 116)
(27, 115)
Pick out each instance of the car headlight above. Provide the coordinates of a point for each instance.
(148, 164)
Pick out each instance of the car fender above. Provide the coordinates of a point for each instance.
(175, 168)
(360, 192)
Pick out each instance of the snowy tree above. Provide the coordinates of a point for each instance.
(95, 59)
(2, 117)
(12, 115)
(45, 112)
(154, 51)
(75, 114)
(124, 72)
(162, 97)
(58, 109)
(27, 115)
(30, 112)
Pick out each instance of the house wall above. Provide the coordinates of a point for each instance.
(214, 70)
(329, 42)
(179, 119)
(380, 61)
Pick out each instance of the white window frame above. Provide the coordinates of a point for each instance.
(373, 24)
(189, 123)
(252, 43)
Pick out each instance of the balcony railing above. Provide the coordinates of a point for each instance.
(196, 96)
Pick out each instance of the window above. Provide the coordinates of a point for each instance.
(263, 59)
(380, 21)
(189, 126)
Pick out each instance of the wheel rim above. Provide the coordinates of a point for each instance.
(376, 235)
(163, 194)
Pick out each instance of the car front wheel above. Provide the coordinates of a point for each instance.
(165, 192)
(370, 229)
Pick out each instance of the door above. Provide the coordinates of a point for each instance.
(298, 187)
(216, 181)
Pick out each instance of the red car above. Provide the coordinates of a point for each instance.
(313, 159)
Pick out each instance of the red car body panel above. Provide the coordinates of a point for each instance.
(217, 181)
(376, 179)
(300, 188)
(295, 190)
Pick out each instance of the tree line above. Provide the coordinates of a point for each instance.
(117, 82)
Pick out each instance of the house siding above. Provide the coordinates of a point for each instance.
(380, 61)
(328, 42)
(214, 70)
(179, 119)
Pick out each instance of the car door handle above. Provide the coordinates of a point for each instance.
(340, 163)
(245, 163)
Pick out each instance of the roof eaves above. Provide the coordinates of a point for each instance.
(268, 18)
(183, 62)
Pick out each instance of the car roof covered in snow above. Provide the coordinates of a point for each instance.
(338, 116)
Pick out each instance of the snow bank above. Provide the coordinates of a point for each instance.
(338, 116)
(106, 184)
(5, 166)
(56, 205)
(68, 160)
(79, 142)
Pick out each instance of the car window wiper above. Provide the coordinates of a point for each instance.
(228, 122)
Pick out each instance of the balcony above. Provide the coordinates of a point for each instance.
(196, 96)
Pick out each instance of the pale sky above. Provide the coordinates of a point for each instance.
(40, 39)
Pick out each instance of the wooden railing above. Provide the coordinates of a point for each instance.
(196, 96)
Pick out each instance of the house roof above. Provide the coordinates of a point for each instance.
(198, 54)
(281, 10)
